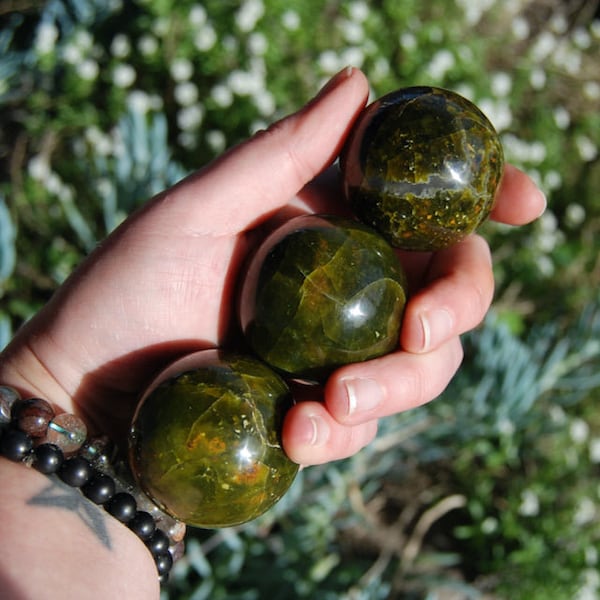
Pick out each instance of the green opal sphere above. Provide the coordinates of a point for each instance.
(321, 292)
(422, 166)
(205, 440)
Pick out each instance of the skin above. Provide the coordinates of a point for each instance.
(163, 285)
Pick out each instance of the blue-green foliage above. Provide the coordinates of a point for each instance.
(8, 258)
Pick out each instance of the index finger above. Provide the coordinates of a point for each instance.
(519, 200)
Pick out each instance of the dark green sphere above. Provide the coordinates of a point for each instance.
(422, 166)
(205, 440)
(322, 292)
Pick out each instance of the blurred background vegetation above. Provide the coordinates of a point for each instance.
(491, 490)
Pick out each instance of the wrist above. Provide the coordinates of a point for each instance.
(56, 443)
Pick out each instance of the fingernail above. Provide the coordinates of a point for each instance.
(338, 78)
(544, 202)
(436, 326)
(363, 395)
(315, 431)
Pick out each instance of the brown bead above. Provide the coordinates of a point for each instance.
(33, 416)
(68, 432)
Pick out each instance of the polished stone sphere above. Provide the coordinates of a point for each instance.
(422, 166)
(205, 441)
(321, 292)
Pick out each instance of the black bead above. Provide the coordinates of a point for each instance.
(48, 458)
(142, 524)
(75, 471)
(15, 445)
(99, 489)
(122, 506)
(164, 562)
(158, 543)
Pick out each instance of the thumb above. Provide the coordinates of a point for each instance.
(261, 175)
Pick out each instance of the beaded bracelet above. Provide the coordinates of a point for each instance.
(57, 444)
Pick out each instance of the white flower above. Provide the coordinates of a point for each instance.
(216, 140)
(489, 525)
(222, 95)
(559, 23)
(586, 147)
(545, 265)
(567, 58)
(45, 37)
(358, 11)
(205, 38)
(530, 504)
(256, 126)
(501, 84)
(138, 101)
(498, 112)
(537, 78)
(329, 61)
(244, 83)
(353, 56)
(186, 93)
(544, 45)
(585, 512)
(124, 75)
(466, 90)
(291, 20)
(552, 180)
(83, 38)
(88, 69)
(520, 28)
(562, 118)
(147, 44)
(38, 167)
(574, 217)
(120, 46)
(440, 64)
(506, 427)
(197, 15)
(72, 54)
(352, 31)
(595, 450)
(582, 38)
(249, 14)
(579, 431)
(190, 117)
(591, 90)
(101, 142)
(408, 41)
(161, 26)
(381, 68)
(589, 585)
(257, 43)
(473, 11)
(54, 184)
(181, 69)
(265, 102)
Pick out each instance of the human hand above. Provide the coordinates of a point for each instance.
(162, 285)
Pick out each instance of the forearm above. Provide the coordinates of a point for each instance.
(56, 543)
